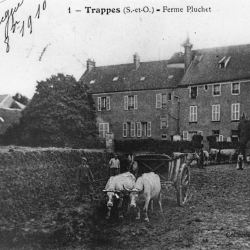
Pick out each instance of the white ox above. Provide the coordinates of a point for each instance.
(228, 154)
(114, 189)
(213, 154)
(147, 188)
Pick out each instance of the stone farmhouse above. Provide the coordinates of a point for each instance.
(214, 91)
(202, 91)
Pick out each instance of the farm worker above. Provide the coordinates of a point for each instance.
(218, 157)
(240, 162)
(201, 158)
(114, 166)
(85, 179)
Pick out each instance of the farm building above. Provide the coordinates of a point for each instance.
(201, 91)
(10, 112)
(135, 100)
(214, 91)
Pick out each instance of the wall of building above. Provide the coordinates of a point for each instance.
(146, 112)
(204, 102)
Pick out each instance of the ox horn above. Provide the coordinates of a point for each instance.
(128, 190)
(140, 191)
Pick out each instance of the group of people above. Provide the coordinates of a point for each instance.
(240, 159)
(85, 177)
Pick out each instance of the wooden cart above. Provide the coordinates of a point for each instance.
(172, 171)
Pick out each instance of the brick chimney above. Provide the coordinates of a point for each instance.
(187, 54)
(90, 65)
(136, 61)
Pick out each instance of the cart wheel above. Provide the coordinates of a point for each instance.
(182, 185)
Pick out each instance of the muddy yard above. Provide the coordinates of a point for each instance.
(216, 216)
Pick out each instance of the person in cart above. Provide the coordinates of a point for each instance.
(85, 180)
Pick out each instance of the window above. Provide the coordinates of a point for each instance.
(139, 132)
(216, 112)
(164, 137)
(193, 92)
(129, 129)
(185, 135)
(130, 102)
(143, 129)
(216, 89)
(235, 135)
(103, 129)
(170, 96)
(235, 112)
(103, 103)
(143, 78)
(161, 100)
(206, 87)
(221, 138)
(235, 88)
(164, 121)
(92, 81)
(223, 62)
(216, 133)
(200, 133)
(193, 114)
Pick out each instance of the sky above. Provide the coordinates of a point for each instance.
(65, 35)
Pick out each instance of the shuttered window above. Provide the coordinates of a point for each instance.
(216, 112)
(125, 130)
(235, 112)
(149, 129)
(132, 129)
(139, 130)
(193, 114)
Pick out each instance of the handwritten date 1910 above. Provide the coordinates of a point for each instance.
(18, 25)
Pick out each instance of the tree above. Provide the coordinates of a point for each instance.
(244, 133)
(21, 98)
(61, 113)
(197, 141)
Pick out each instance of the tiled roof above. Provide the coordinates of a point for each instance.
(205, 69)
(177, 57)
(158, 76)
(2, 98)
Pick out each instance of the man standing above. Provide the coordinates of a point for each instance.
(114, 166)
(84, 179)
(201, 158)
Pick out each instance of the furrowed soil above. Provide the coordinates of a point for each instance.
(216, 216)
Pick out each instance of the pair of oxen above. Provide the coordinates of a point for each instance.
(146, 189)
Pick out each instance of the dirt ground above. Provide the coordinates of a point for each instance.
(216, 216)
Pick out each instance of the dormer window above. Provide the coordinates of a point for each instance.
(223, 62)
(143, 78)
(92, 81)
(115, 78)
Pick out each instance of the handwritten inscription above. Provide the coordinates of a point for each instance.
(12, 25)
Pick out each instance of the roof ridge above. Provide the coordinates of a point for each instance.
(222, 47)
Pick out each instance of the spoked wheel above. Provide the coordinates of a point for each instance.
(182, 185)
